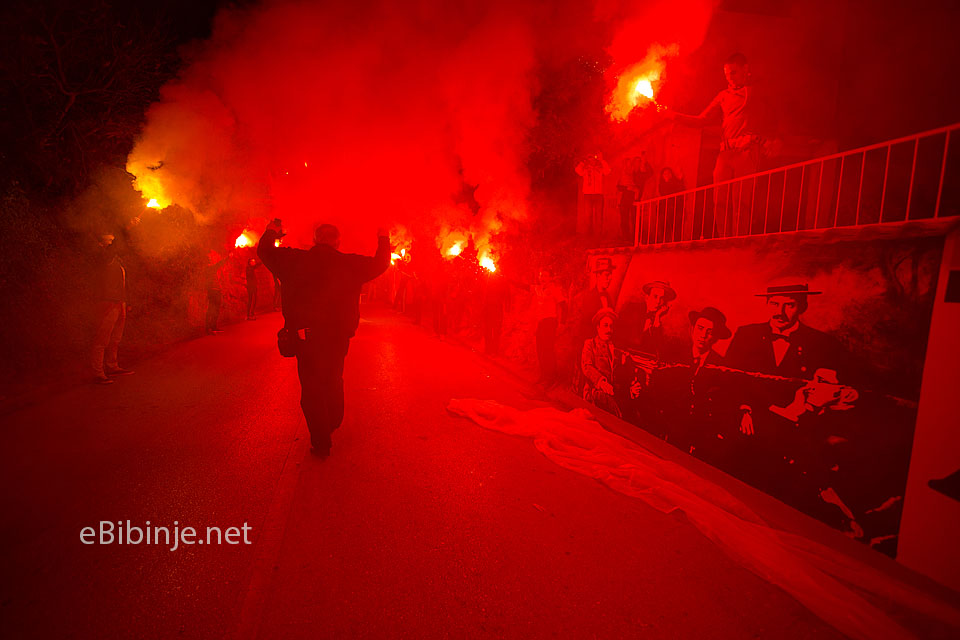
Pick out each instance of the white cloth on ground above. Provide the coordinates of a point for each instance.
(829, 583)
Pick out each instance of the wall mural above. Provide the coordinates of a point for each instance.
(791, 363)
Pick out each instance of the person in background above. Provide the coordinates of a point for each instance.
(252, 265)
(550, 308)
(112, 283)
(636, 172)
(495, 301)
(277, 296)
(670, 183)
(321, 299)
(212, 277)
(592, 169)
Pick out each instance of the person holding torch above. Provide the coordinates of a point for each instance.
(321, 301)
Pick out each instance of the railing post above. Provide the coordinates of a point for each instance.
(803, 174)
(816, 212)
(783, 198)
(913, 171)
(943, 170)
(863, 167)
(703, 212)
(636, 227)
(886, 172)
(766, 206)
(836, 210)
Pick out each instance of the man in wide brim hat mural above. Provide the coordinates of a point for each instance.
(782, 346)
(597, 297)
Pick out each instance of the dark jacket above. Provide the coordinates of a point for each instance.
(321, 286)
(752, 350)
(112, 277)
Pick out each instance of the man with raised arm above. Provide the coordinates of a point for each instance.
(321, 301)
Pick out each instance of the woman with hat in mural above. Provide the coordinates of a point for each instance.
(603, 364)
(586, 304)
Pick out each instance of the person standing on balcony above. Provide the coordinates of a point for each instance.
(592, 169)
(740, 127)
(636, 172)
(670, 183)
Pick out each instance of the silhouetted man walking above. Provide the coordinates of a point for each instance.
(321, 298)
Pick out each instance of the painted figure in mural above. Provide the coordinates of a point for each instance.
(783, 345)
(599, 296)
(587, 303)
(592, 169)
(636, 172)
(604, 365)
(690, 401)
(641, 322)
(321, 299)
(808, 365)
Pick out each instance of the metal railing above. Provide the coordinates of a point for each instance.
(912, 178)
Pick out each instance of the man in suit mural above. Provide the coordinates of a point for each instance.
(599, 296)
(689, 392)
(801, 370)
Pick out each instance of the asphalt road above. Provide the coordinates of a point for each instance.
(420, 524)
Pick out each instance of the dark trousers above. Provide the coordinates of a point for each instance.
(547, 349)
(214, 296)
(251, 301)
(731, 204)
(595, 212)
(320, 368)
(492, 328)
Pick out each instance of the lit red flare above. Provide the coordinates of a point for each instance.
(637, 85)
(243, 240)
(487, 263)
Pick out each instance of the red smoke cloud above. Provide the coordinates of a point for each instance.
(371, 114)
(359, 115)
(647, 35)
